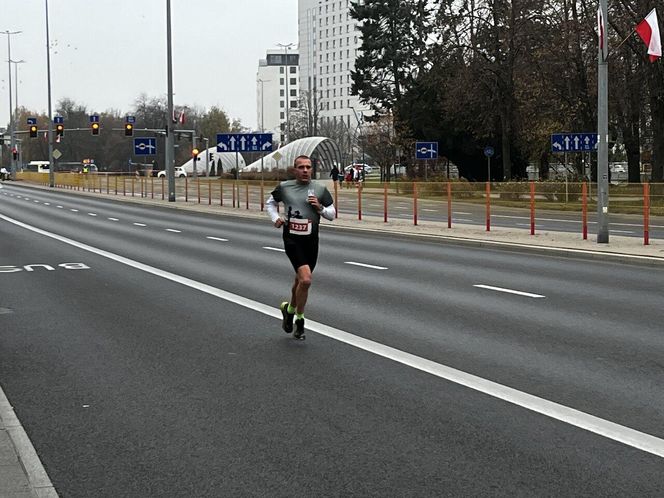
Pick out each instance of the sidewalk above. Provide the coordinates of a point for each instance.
(21, 473)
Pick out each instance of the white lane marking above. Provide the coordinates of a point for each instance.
(430, 210)
(278, 249)
(403, 207)
(217, 238)
(622, 231)
(462, 219)
(461, 212)
(173, 230)
(47, 204)
(373, 267)
(74, 210)
(92, 214)
(140, 224)
(36, 201)
(114, 219)
(59, 207)
(509, 291)
(591, 423)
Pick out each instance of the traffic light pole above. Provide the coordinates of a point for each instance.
(603, 136)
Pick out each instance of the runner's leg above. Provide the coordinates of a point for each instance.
(301, 288)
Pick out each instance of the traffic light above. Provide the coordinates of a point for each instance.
(194, 153)
(129, 130)
(60, 130)
(33, 131)
(95, 128)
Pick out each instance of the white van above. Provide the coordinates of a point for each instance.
(38, 166)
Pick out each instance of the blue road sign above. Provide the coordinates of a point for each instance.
(130, 119)
(426, 150)
(573, 142)
(488, 151)
(58, 120)
(94, 118)
(244, 142)
(32, 121)
(145, 146)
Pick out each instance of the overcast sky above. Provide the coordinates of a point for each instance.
(104, 53)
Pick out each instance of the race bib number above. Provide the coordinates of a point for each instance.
(300, 227)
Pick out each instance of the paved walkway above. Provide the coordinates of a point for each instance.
(21, 473)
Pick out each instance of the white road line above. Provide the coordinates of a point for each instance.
(278, 249)
(611, 430)
(173, 230)
(373, 267)
(430, 210)
(461, 212)
(217, 238)
(92, 214)
(509, 291)
(140, 224)
(47, 204)
(59, 207)
(74, 210)
(462, 219)
(621, 231)
(114, 219)
(36, 201)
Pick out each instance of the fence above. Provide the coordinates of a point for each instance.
(384, 199)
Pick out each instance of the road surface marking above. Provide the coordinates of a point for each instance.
(509, 291)
(621, 231)
(47, 204)
(140, 224)
(278, 249)
(114, 219)
(173, 230)
(59, 207)
(217, 238)
(74, 210)
(92, 214)
(461, 212)
(591, 423)
(366, 265)
(36, 201)
(430, 210)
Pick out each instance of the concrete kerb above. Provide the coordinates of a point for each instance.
(620, 249)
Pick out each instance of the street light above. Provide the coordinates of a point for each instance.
(169, 155)
(16, 63)
(51, 169)
(286, 47)
(11, 114)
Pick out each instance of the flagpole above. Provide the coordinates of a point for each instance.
(621, 43)
(603, 134)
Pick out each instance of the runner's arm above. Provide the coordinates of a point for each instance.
(328, 212)
(272, 210)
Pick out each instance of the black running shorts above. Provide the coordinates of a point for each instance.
(302, 250)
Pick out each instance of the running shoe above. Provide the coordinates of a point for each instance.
(299, 329)
(287, 322)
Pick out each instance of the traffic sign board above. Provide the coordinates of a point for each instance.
(32, 121)
(94, 118)
(573, 142)
(130, 119)
(426, 150)
(488, 151)
(58, 120)
(145, 146)
(244, 142)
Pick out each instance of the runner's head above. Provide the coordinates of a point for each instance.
(302, 167)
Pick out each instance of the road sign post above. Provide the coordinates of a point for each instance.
(488, 152)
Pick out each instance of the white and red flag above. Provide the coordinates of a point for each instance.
(648, 30)
(179, 118)
(601, 33)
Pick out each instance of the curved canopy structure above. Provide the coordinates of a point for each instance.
(227, 162)
(322, 150)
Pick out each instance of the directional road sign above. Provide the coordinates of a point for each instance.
(244, 142)
(58, 120)
(426, 150)
(145, 146)
(573, 142)
(32, 121)
(94, 118)
(489, 151)
(130, 119)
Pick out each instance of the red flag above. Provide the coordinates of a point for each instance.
(648, 30)
(601, 33)
(181, 118)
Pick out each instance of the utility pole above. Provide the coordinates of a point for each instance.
(11, 113)
(286, 47)
(603, 133)
(169, 153)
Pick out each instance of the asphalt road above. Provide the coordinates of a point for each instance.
(146, 359)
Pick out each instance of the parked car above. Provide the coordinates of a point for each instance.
(179, 172)
(367, 169)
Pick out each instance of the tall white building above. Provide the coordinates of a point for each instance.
(277, 91)
(328, 44)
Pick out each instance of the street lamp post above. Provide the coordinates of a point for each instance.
(11, 113)
(286, 47)
(169, 154)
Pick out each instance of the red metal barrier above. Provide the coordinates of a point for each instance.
(532, 208)
(646, 214)
(449, 205)
(263, 194)
(336, 199)
(209, 184)
(359, 201)
(584, 209)
(233, 185)
(198, 189)
(414, 203)
(186, 189)
(488, 206)
(246, 193)
(385, 202)
(221, 192)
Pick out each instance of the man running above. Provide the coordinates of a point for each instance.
(304, 202)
